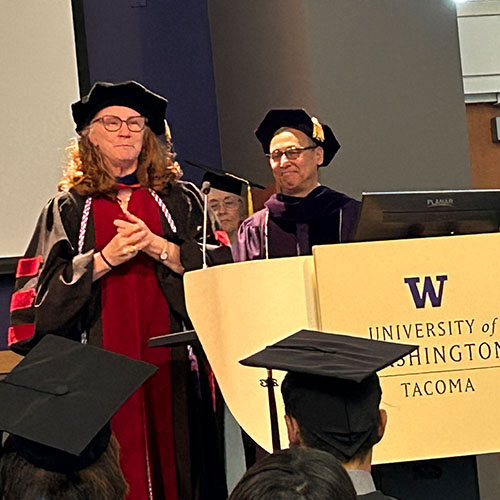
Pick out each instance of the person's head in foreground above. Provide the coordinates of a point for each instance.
(348, 420)
(57, 404)
(295, 474)
(31, 471)
(296, 145)
(118, 126)
(331, 392)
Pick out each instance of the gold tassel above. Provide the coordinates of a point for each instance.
(249, 192)
(168, 135)
(249, 200)
(318, 133)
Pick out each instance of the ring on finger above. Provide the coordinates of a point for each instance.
(131, 249)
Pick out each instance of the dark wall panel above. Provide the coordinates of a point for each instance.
(385, 74)
(166, 46)
(6, 287)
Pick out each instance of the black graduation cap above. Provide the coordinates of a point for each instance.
(230, 183)
(130, 94)
(332, 386)
(220, 177)
(226, 182)
(62, 395)
(299, 119)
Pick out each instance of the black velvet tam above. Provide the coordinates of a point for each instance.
(63, 392)
(130, 94)
(298, 119)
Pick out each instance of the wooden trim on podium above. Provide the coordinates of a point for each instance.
(8, 360)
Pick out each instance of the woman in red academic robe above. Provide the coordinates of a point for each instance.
(105, 266)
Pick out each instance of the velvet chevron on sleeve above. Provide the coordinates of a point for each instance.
(62, 282)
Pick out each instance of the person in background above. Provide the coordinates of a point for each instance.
(228, 199)
(105, 266)
(295, 474)
(304, 213)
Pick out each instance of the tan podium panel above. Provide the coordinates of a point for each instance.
(8, 360)
(238, 309)
(444, 295)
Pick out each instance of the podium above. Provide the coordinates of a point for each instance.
(440, 293)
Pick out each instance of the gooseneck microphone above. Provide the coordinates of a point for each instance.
(205, 189)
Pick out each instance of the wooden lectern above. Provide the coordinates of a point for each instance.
(439, 293)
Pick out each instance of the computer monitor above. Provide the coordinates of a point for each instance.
(416, 214)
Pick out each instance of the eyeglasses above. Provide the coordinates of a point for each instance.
(291, 154)
(228, 203)
(114, 123)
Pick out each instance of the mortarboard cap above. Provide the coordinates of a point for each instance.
(226, 182)
(229, 182)
(130, 94)
(223, 175)
(55, 460)
(298, 119)
(329, 355)
(332, 388)
(63, 393)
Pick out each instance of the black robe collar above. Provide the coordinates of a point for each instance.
(128, 180)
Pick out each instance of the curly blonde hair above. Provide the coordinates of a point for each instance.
(85, 171)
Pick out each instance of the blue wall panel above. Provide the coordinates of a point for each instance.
(166, 46)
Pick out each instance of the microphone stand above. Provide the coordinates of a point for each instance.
(205, 189)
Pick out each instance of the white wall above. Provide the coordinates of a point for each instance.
(38, 84)
(479, 32)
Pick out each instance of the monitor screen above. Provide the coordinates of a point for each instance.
(416, 214)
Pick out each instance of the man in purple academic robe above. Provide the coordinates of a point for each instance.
(304, 213)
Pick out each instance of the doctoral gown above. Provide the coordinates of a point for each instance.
(292, 225)
(167, 430)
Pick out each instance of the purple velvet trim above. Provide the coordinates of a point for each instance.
(321, 200)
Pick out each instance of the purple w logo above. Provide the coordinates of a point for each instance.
(428, 290)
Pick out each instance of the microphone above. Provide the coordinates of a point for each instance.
(205, 189)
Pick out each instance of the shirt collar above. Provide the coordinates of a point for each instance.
(362, 481)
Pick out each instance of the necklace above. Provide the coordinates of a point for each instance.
(123, 197)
